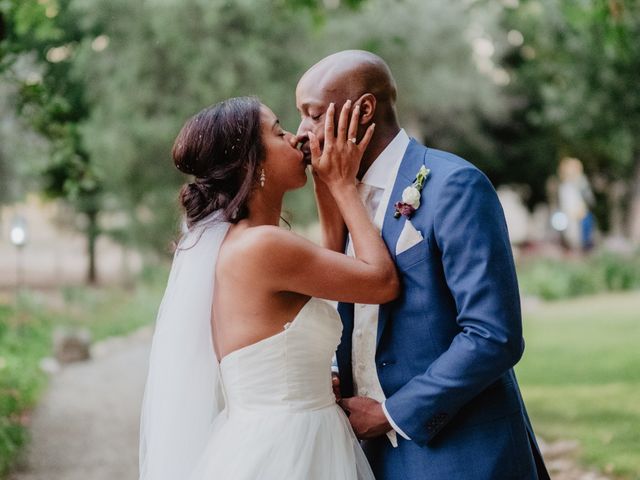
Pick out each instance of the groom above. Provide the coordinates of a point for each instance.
(427, 379)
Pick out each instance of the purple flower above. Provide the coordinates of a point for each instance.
(411, 195)
(403, 209)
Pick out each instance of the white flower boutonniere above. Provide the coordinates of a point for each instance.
(411, 195)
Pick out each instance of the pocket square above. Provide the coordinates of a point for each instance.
(409, 237)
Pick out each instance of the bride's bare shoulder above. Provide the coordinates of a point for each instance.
(263, 242)
(266, 237)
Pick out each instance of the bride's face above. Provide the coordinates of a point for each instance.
(284, 164)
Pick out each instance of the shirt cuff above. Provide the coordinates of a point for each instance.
(393, 424)
(335, 369)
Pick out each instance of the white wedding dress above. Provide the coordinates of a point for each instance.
(281, 419)
(265, 412)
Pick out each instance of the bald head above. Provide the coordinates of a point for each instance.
(356, 75)
(352, 73)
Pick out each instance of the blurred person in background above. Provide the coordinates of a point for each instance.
(575, 199)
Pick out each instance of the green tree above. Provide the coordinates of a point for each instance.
(165, 60)
(576, 69)
(443, 56)
(53, 100)
(143, 67)
(161, 63)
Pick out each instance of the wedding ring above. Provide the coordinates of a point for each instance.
(353, 140)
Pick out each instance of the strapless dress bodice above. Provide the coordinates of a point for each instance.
(288, 371)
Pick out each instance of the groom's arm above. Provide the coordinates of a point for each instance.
(471, 233)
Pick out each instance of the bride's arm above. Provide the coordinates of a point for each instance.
(298, 265)
(334, 231)
(337, 166)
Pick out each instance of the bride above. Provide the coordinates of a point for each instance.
(239, 384)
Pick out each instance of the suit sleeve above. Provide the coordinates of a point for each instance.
(471, 233)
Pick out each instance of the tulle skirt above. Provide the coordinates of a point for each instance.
(277, 445)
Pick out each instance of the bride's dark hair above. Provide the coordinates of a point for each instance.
(221, 146)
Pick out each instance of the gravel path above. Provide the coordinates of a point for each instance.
(560, 460)
(86, 427)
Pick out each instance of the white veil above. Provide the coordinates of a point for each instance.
(183, 394)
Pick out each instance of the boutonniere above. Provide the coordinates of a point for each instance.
(411, 195)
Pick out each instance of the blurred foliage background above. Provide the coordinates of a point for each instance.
(102, 87)
(93, 92)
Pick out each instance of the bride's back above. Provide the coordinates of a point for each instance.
(246, 308)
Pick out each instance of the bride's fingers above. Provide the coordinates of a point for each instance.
(367, 137)
(343, 121)
(328, 125)
(353, 124)
(314, 147)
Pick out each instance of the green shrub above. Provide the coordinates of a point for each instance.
(556, 279)
(620, 273)
(26, 338)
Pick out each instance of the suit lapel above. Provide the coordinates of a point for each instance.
(411, 161)
(409, 166)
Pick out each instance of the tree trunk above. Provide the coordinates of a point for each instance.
(618, 189)
(3, 29)
(92, 237)
(634, 205)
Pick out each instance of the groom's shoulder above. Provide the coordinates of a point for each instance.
(445, 165)
(446, 161)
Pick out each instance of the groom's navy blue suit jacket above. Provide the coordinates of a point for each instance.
(446, 347)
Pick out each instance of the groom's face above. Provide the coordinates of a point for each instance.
(312, 102)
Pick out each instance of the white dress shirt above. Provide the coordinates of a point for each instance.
(375, 190)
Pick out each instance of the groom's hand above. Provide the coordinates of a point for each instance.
(366, 417)
(335, 383)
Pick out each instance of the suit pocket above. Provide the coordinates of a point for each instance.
(414, 255)
(409, 237)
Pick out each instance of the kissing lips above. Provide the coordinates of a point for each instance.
(306, 154)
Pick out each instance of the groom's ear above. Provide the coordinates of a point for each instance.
(367, 104)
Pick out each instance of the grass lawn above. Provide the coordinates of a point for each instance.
(580, 377)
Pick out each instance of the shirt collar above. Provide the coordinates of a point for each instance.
(387, 162)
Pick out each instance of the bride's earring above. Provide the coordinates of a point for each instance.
(263, 177)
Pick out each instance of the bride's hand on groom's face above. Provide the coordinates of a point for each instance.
(366, 417)
(338, 161)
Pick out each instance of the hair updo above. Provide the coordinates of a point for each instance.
(222, 148)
